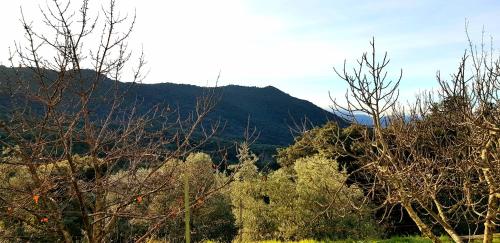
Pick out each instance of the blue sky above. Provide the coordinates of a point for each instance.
(292, 44)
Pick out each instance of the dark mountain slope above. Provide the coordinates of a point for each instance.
(268, 109)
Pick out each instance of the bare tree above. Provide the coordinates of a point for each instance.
(371, 93)
(440, 158)
(476, 84)
(71, 136)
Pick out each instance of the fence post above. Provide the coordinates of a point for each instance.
(186, 208)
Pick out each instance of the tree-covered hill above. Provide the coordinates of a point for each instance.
(269, 110)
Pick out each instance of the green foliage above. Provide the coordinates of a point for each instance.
(399, 239)
(325, 141)
(247, 192)
(211, 217)
(308, 200)
(23, 216)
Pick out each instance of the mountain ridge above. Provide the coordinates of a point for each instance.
(270, 110)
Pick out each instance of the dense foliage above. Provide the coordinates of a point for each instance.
(309, 199)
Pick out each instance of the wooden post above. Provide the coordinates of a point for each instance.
(187, 216)
(241, 220)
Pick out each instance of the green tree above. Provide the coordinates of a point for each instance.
(253, 216)
(315, 202)
(329, 141)
(308, 199)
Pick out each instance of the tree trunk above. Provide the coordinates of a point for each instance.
(98, 228)
(489, 226)
(443, 221)
(426, 231)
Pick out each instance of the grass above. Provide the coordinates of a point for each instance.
(402, 239)
(407, 239)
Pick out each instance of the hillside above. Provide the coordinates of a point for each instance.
(268, 109)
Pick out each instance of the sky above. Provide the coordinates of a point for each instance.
(290, 44)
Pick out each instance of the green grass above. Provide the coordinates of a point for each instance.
(407, 239)
(402, 239)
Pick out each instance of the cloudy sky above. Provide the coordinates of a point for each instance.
(289, 44)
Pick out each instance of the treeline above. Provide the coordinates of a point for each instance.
(307, 199)
(319, 191)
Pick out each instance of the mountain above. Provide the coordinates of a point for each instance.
(360, 118)
(268, 109)
(365, 119)
(271, 111)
